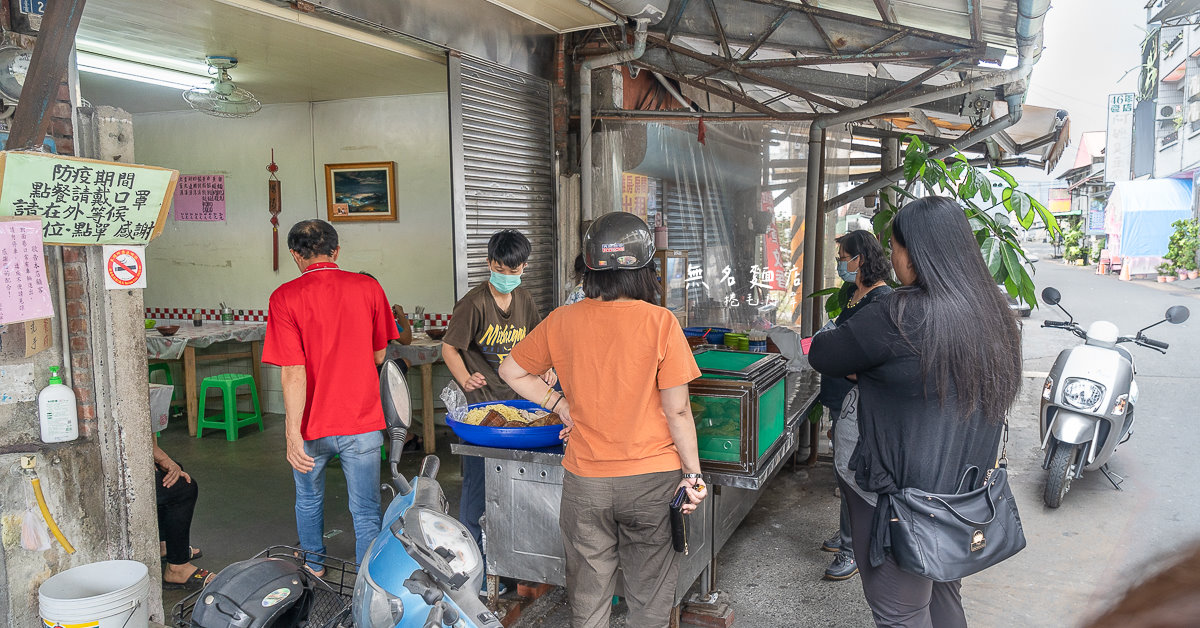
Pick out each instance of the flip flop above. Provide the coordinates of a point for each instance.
(195, 554)
(194, 582)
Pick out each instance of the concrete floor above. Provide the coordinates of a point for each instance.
(1079, 557)
(247, 495)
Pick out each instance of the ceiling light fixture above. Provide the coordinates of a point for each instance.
(130, 71)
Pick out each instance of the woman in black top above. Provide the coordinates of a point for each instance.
(863, 265)
(938, 365)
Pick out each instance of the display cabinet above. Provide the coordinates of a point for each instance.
(739, 405)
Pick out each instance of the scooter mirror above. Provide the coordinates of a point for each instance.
(1177, 314)
(1050, 296)
(393, 393)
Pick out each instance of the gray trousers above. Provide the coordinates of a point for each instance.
(619, 522)
(897, 598)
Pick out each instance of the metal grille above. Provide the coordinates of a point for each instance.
(508, 170)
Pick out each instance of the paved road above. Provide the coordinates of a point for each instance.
(1079, 556)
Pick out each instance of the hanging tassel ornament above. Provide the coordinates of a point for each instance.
(700, 131)
(274, 205)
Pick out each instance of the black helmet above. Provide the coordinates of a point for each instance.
(255, 593)
(618, 241)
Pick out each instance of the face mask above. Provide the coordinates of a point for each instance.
(845, 273)
(504, 284)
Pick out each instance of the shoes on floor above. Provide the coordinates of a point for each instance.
(833, 543)
(843, 567)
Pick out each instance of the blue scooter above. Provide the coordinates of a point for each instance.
(424, 569)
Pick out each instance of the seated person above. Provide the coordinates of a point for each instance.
(176, 494)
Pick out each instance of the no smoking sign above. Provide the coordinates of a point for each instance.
(124, 267)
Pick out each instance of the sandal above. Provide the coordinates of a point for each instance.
(194, 582)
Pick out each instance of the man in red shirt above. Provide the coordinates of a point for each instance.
(328, 331)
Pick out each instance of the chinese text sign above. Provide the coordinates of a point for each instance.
(200, 197)
(84, 201)
(24, 291)
(1118, 151)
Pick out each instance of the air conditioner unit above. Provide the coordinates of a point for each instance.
(1168, 112)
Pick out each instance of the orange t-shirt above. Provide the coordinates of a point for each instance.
(613, 358)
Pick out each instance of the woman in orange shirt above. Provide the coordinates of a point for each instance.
(624, 366)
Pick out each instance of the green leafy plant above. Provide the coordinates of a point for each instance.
(1183, 245)
(998, 240)
(1073, 243)
(1165, 268)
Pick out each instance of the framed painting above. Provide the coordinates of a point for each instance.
(361, 192)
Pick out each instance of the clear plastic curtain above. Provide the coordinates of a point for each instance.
(731, 195)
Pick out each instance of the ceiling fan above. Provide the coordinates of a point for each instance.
(223, 98)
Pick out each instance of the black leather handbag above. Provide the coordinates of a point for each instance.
(948, 537)
(679, 521)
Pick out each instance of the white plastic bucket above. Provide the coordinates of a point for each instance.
(108, 594)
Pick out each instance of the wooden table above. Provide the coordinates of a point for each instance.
(422, 354)
(182, 346)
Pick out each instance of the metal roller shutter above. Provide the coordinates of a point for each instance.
(507, 171)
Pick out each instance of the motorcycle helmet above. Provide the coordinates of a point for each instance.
(618, 241)
(255, 593)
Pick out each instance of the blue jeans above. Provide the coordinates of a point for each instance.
(360, 462)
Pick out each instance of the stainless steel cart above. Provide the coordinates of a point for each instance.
(524, 488)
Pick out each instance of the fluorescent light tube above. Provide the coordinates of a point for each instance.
(128, 70)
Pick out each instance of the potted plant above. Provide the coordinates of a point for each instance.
(1164, 271)
(1182, 247)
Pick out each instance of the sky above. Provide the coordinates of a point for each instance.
(1089, 45)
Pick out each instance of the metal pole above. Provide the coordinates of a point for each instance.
(812, 204)
(585, 111)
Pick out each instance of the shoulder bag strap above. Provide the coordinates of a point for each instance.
(1002, 459)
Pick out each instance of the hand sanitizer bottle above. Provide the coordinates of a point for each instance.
(57, 410)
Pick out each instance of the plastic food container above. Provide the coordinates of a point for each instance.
(711, 335)
(507, 437)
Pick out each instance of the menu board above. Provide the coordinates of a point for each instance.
(200, 198)
(24, 290)
(85, 201)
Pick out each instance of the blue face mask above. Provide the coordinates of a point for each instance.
(504, 284)
(845, 273)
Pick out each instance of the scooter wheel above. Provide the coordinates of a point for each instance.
(1058, 478)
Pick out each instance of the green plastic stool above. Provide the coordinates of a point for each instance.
(230, 420)
(165, 369)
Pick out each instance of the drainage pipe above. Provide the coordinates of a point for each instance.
(672, 91)
(967, 139)
(585, 109)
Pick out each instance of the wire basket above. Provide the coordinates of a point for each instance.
(331, 594)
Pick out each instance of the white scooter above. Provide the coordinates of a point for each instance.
(1089, 398)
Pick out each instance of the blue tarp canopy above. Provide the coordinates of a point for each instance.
(1140, 213)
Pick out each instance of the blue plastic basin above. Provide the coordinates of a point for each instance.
(715, 335)
(507, 437)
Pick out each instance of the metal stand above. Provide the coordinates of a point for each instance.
(1110, 475)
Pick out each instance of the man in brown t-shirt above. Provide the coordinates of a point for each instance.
(486, 323)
